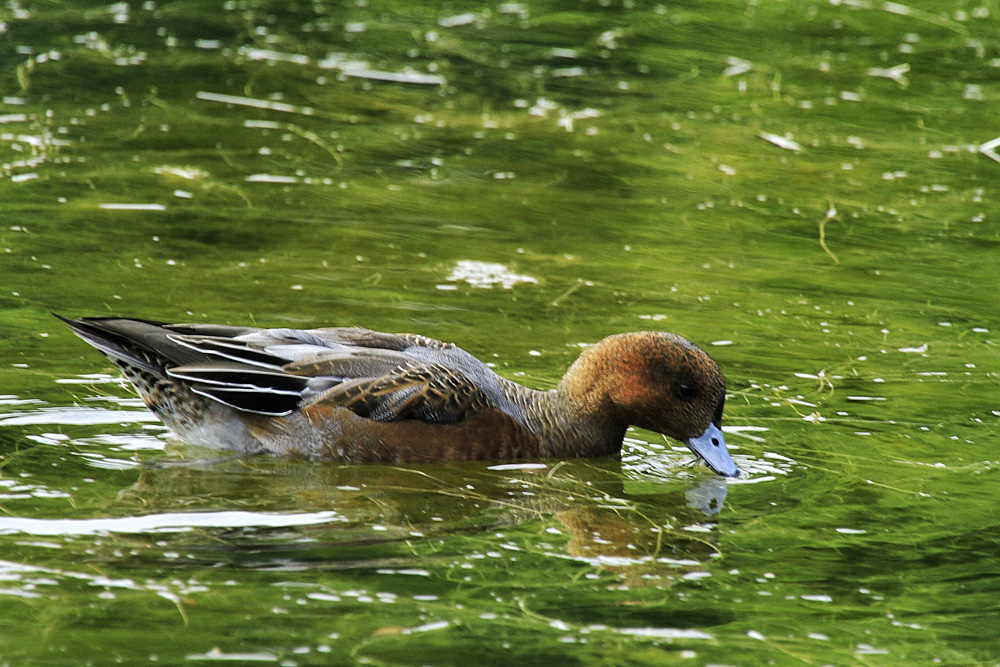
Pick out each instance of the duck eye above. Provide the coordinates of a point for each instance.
(685, 389)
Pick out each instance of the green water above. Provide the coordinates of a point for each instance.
(795, 186)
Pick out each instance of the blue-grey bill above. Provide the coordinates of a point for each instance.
(710, 446)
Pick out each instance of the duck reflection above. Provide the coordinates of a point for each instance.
(591, 511)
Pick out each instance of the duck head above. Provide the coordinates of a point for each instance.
(667, 384)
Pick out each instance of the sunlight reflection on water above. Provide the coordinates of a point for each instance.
(77, 416)
(170, 522)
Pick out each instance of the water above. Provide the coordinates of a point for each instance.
(797, 187)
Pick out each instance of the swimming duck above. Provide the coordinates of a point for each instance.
(357, 395)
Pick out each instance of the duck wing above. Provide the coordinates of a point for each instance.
(433, 393)
(379, 376)
(384, 377)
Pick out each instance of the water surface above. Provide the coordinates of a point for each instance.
(805, 189)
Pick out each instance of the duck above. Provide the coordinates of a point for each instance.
(360, 396)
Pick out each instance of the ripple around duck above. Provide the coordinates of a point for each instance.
(670, 461)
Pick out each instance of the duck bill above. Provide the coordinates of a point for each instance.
(710, 447)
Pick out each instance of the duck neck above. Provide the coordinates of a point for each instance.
(568, 423)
